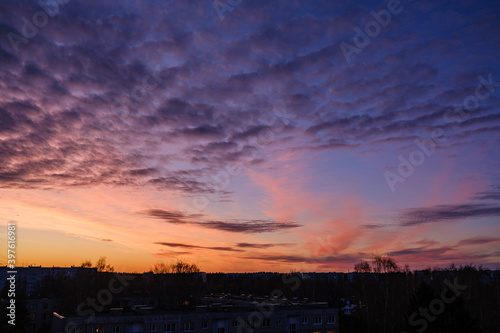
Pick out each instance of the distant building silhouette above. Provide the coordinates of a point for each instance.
(218, 318)
(30, 277)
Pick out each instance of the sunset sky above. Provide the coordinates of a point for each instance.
(253, 135)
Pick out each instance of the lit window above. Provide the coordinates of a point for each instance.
(188, 326)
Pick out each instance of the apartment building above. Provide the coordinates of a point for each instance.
(40, 313)
(30, 277)
(258, 318)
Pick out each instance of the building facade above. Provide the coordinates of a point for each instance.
(40, 313)
(263, 318)
(30, 277)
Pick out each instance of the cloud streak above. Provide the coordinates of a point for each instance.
(447, 213)
(478, 241)
(90, 237)
(188, 246)
(261, 246)
(236, 226)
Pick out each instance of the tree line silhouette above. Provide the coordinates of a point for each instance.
(383, 297)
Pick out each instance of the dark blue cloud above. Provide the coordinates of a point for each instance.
(189, 246)
(237, 226)
(447, 213)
